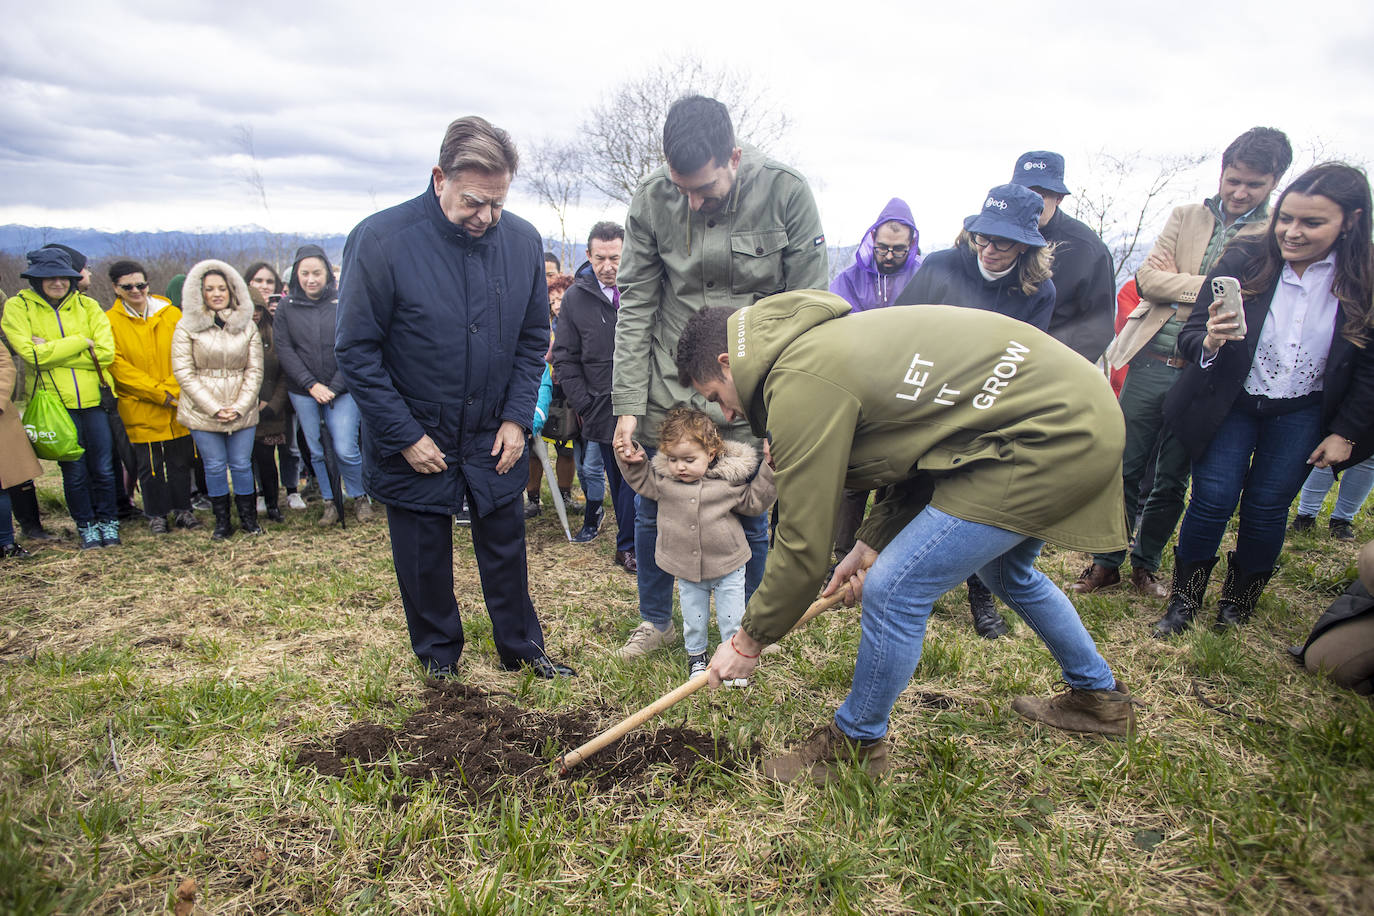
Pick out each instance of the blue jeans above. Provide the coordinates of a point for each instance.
(226, 451)
(933, 554)
(88, 482)
(656, 586)
(343, 418)
(695, 598)
(591, 470)
(1356, 482)
(1260, 462)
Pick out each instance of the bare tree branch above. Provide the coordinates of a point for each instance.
(622, 136)
(253, 176)
(555, 171)
(1127, 195)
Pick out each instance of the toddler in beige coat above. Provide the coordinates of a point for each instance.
(702, 484)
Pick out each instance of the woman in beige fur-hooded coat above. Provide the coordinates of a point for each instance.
(217, 359)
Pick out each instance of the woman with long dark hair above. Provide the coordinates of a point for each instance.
(1257, 411)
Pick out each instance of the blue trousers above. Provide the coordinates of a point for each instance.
(933, 554)
(88, 482)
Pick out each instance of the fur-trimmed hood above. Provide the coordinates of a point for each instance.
(196, 317)
(736, 463)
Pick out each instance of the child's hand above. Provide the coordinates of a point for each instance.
(634, 454)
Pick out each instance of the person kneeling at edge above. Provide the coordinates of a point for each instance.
(992, 437)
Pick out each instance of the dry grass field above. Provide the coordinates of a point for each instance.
(157, 697)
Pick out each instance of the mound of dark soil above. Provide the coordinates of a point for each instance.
(478, 746)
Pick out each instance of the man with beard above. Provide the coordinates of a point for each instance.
(720, 224)
(885, 262)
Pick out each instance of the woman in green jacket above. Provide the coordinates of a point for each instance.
(65, 337)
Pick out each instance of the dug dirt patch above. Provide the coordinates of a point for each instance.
(477, 746)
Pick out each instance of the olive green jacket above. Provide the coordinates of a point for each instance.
(985, 417)
(767, 238)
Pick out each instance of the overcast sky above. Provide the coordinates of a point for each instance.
(140, 119)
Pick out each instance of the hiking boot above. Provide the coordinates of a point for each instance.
(38, 533)
(1341, 529)
(1147, 583)
(274, 511)
(89, 535)
(819, 757)
(185, 518)
(1077, 709)
(986, 620)
(363, 508)
(696, 664)
(14, 552)
(1096, 577)
(330, 516)
(531, 506)
(294, 501)
(1240, 592)
(1302, 523)
(109, 533)
(1185, 597)
(157, 525)
(645, 639)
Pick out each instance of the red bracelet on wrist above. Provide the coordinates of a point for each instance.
(737, 651)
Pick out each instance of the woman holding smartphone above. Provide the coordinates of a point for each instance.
(1267, 398)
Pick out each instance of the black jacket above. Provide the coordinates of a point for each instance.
(951, 277)
(582, 353)
(1084, 285)
(304, 331)
(1201, 398)
(444, 335)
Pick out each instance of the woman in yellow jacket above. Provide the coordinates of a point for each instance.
(217, 360)
(65, 336)
(142, 324)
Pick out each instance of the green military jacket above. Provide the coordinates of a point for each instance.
(982, 416)
(765, 240)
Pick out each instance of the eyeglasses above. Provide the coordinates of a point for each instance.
(130, 287)
(983, 241)
(885, 250)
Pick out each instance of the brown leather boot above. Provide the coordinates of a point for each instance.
(1148, 584)
(1101, 712)
(1095, 577)
(820, 756)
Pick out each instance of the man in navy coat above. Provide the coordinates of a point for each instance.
(443, 323)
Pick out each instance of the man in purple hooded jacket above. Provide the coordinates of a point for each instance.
(885, 262)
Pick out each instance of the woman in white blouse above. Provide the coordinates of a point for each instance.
(1257, 412)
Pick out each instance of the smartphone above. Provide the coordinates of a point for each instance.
(1227, 289)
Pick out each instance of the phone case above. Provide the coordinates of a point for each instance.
(1227, 289)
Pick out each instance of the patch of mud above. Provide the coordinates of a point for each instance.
(463, 737)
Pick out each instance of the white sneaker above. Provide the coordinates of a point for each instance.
(262, 505)
(645, 639)
(294, 501)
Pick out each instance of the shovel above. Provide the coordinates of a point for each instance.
(672, 698)
(542, 451)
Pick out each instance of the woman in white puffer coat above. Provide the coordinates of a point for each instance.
(217, 359)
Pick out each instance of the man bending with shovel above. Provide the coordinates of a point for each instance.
(993, 438)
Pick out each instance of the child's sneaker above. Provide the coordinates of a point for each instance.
(696, 664)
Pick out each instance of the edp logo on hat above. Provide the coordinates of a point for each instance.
(1040, 169)
(1010, 212)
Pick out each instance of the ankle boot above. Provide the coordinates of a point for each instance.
(591, 523)
(1185, 596)
(223, 525)
(248, 513)
(274, 509)
(1240, 592)
(986, 620)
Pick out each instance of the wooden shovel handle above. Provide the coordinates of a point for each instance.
(672, 698)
